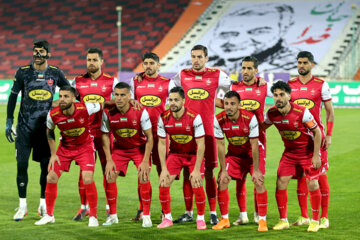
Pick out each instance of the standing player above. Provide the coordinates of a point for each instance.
(133, 141)
(186, 131)
(200, 85)
(151, 92)
(310, 92)
(76, 144)
(37, 83)
(94, 86)
(253, 97)
(241, 129)
(302, 140)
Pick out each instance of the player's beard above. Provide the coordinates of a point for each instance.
(65, 107)
(93, 69)
(41, 62)
(303, 73)
(280, 104)
(248, 78)
(176, 109)
(150, 72)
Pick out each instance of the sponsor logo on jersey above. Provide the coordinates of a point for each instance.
(50, 82)
(309, 104)
(249, 104)
(115, 121)
(187, 79)
(238, 140)
(178, 124)
(83, 86)
(126, 132)
(181, 138)
(150, 100)
(290, 135)
(81, 120)
(168, 125)
(278, 122)
(197, 94)
(40, 94)
(74, 132)
(93, 98)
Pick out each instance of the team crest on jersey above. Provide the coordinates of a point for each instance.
(81, 120)
(308, 103)
(40, 94)
(246, 129)
(188, 128)
(103, 89)
(313, 92)
(238, 140)
(160, 88)
(134, 122)
(74, 132)
(258, 92)
(50, 82)
(197, 94)
(249, 104)
(290, 135)
(208, 81)
(126, 132)
(296, 124)
(181, 138)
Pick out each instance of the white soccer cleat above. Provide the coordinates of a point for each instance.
(45, 220)
(241, 220)
(93, 222)
(42, 210)
(324, 222)
(110, 220)
(20, 214)
(146, 221)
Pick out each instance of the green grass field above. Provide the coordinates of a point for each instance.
(344, 209)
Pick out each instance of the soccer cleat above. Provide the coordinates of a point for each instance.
(20, 214)
(200, 225)
(241, 220)
(45, 220)
(214, 219)
(301, 221)
(81, 214)
(313, 227)
(93, 222)
(281, 225)
(165, 223)
(224, 223)
(184, 218)
(110, 220)
(324, 222)
(146, 221)
(42, 210)
(262, 226)
(138, 216)
(256, 217)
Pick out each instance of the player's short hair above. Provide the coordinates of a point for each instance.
(96, 50)
(282, 86)
(122, 85)
(231, 94)
(178, 90)
(200, 47)
(68, 88)
(306, 54)
(251, 59)
(151, 55)
(42, 44)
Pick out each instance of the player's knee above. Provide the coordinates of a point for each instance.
(260, 188)
(281, 183)
(223, 185)
(313, 185)
(52, 177)
(87, 177)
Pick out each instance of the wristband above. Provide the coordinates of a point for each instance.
(329, 128)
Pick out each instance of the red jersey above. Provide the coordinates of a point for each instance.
(98, 90)
(182, 132)
(294, 128)
(238, 133)
(152, 94)
(200, 92)
(127, 128)
(74, 129)
(311, 95)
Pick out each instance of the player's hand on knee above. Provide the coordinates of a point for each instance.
(143, 172)
(9, 132)
(164, 180)
(257, 177)
(110, 170)
(52, 161)
(195, 178)
(223, 177)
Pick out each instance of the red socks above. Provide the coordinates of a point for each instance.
(325, 194)
(50, 197)
(255, 201)
(111, 195)
(241, 194)
(223, 198)
(164, 196)
(262, 203)
(104, 184)
(315, 201)
(145, 190)
(211, 193)
(282, 199)
(302, 193)
(82, 190)
(92, 197)
(200, 200)
(139, 196)
(188, 195)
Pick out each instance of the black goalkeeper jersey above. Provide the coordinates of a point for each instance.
(37, 91)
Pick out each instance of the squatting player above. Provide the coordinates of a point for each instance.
(152, 93)
(186, 132)
(93, 86)
(133, 141)
(310, 92)
(76, 144)
(302, 140)
(241, 129)
(37, 83)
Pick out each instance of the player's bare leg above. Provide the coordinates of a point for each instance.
(282, 199)
(315, 201)
(211, 190)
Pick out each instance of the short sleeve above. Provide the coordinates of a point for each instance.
(198, 127)
(49, 122)
(171, 85)
(93, 107)
(267, 120)
(177, 79)
(325, 92)
(73, 83)
(145, 120)
(224, 80)
(132, 88)
(217, 130)
(308, 120)
(105, 125)
(254, 128)
(116, 81)
(268, 90)
(161, 128)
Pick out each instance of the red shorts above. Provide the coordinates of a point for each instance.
(239, 166)
(122, 157)
(176, 162)
(155, 152)
(210, 152)
(84, 158)
(324, 156)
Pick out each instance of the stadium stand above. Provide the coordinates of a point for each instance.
(73, 26)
